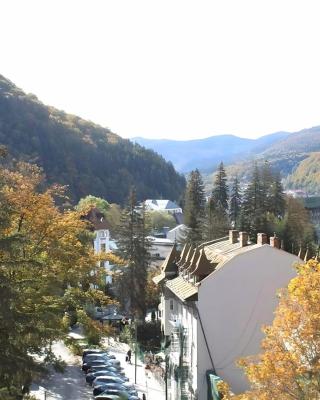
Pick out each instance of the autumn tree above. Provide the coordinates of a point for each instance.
(46, 263)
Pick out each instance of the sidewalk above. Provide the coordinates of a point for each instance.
(146, 383)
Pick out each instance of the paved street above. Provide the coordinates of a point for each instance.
(71, 384)
(145, 383)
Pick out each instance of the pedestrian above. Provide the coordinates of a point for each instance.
(129, 355)
(144, 396)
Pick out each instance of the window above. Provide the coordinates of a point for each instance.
(171, 305)
(103, 234)
(103, 247)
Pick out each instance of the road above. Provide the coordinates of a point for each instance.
(70, 385)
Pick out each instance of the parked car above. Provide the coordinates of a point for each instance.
(95, 363)
(106, 379)
(108, 397)
(90, 377)
(107, 386)
(108, 367)
(115, 392)
(92, 351)
(97, 356)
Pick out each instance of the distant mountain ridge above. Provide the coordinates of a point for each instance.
(205, 154)
(84, 156)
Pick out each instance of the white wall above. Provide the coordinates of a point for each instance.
(234, 302)
(102, 236)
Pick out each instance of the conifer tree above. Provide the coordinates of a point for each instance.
(252, 211)
(235, 204)
(217, 222)
(220, 188)
(195, 207)
(277, 204)
(133, 246)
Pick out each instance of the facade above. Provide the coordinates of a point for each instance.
(102, 241)
(215, 299)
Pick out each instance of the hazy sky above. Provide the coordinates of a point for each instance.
(169, 68)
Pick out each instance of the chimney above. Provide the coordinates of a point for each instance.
(233, 236)
(275, 241)
(262, 239)
(243, 239)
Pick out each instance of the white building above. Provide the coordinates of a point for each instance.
(162, 205)
(102, 241)
(215, 299)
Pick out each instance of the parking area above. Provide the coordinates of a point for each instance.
(72, 383)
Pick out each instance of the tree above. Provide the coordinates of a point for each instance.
(161, 219)
(93, 202)
(217, 222)
(133, 247)
(235, 204)
(289, 366)
(195, 207)
(252, 212)
(46, 263)
(220, 188)
(297, 230)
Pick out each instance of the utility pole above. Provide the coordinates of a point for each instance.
(135, 351)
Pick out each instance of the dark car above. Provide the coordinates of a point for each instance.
(92, 351)
(101, 368)
(116, 386)
(91, 376)
(115, 392)
(97, 356)
(95, 363)
(107, 379)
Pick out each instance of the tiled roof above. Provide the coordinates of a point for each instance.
(203, 266)
(169, 265)
(182, 289)
(222, 251)
(159, 278)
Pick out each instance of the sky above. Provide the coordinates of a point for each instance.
(175, 69)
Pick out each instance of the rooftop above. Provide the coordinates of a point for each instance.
(188, 268)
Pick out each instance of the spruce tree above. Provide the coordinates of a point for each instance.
(277, 204)
(252, 212)
(235, 204)
(220, 188)
(133, 247)
(195, 207)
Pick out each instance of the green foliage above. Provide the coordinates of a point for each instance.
(307, 175)
(45, 271)
(93, 202)
(127, 335)
(133, 247)
(235, 204)
(220, 189)
(82, 155)
(194, 213)
(160, 219)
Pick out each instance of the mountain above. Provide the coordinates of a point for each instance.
(295, 156)
(206, 154)
(307, 175)
(78, 153)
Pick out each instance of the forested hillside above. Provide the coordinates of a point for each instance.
(74, 152)
(307, 175)
(295, 156)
